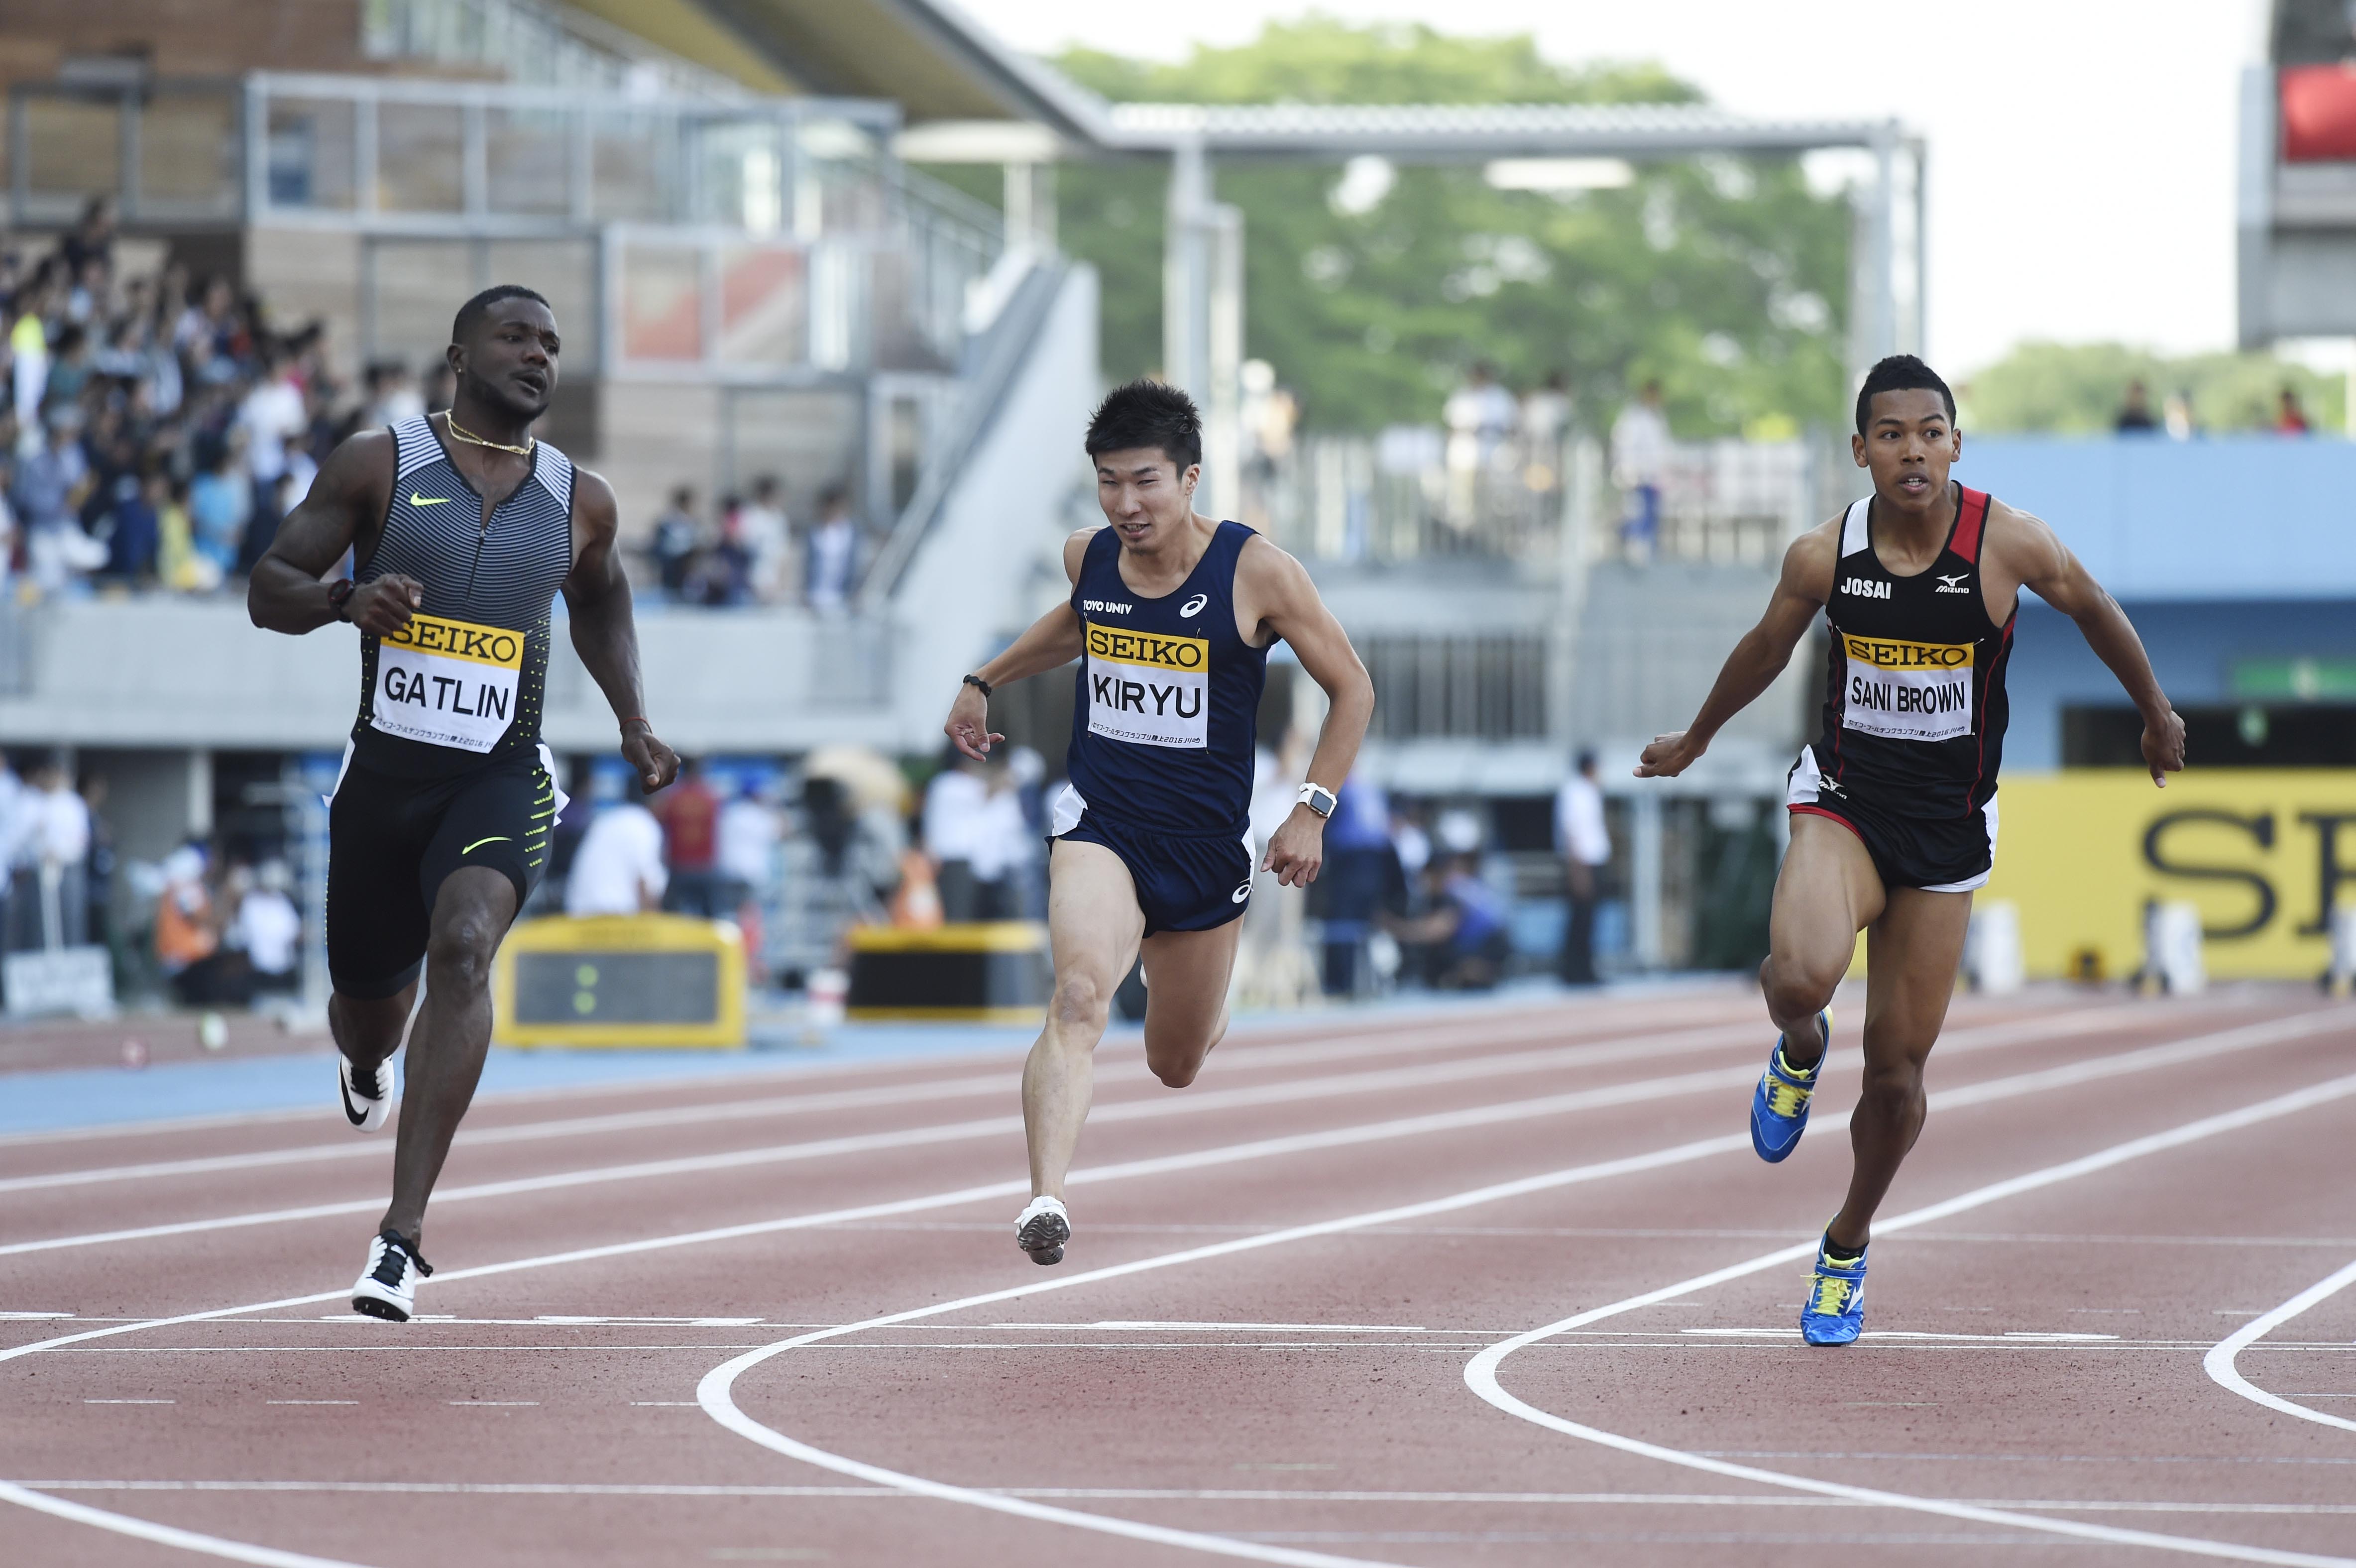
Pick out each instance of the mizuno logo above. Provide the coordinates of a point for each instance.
(1194, 607)
(1954, 584)
(1865, 588)
(416, 500)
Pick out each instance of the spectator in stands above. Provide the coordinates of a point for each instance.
(51, 479)
(721, 576)
(1585, 845)
(2290, 419)
(71, 364)
(2134, 412)
(53, 854)
(179, 565)
(187, 940)
(221, 503)
(833, 553)
(676, 536)
(268, 930)
(1546, 420)
(690, 814)
(392, 396)
(28, 346)
(618, 869)
(1479, 415)
(1640, 459)
(1349, 894)
(976, 836)
(750, 831)
(133, 527)
(769, 539)
(1462, 940)
(92, 238)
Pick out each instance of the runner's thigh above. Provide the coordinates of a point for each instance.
(1093, 920)
(1913, 955)
(1187, 977)
(1827, 892)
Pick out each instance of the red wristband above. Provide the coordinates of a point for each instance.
(635, 719)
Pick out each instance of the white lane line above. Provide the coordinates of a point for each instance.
(2248, 1037)
(161, 1535)
(1481, 1372)
(1160, 1494)
(1474, 1066)
(2142, 1059)
(497, 1404)
(129, 1402)
(310, 1402)
(717, 1396)
(2220, 1362)
(1606, 1048)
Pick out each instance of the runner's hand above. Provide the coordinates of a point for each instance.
(655, 763)
(1670, 755)
(1298, 849)
(2163, 748)
(968, 725)
(384, 605)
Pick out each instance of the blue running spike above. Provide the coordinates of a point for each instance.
(1779, 1106)
(1834, 1313)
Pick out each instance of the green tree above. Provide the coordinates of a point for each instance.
(2075, 389)
(1725, 278)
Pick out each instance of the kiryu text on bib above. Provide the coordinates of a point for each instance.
(1148, 689)
(1902, 689)
(448, 682)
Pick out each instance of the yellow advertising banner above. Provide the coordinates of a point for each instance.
(2263, 853)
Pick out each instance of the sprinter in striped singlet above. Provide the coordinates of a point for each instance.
(463, 530)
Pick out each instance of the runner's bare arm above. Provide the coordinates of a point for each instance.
(347, 503)
(605, 633)
(2024, 549)
(1800, 596)
(1275, 588)
(1054, 639)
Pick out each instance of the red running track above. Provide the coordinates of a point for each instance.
(781, 1319)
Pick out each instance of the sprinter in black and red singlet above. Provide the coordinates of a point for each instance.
(1171, 618)
(1894, 805)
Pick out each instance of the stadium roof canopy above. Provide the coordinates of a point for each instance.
(986, 103)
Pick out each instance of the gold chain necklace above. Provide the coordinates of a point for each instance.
(471, 439)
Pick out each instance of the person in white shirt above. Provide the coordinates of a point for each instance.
(618, 869)
(746, 844)
(52, 823)
(1585, 845)
(269, 929)
(766, 536)
(834, 553)
(273, 414)
(1640, 457)
(975, 831)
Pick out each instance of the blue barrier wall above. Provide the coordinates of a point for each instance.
(2235, 517)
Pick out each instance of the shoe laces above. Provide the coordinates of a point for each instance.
(1832, 1295)
(1785, 1098)
(394, 1258)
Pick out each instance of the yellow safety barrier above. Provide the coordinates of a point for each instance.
(620, 981)
(993, 971)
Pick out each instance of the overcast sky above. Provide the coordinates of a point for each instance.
(2081, 151)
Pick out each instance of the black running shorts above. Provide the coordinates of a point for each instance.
(391, 842)
(1938, 854)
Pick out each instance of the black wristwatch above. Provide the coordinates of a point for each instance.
(978, 684)
(339, 598)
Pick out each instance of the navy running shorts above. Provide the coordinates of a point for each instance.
(391, 842)
(1184, 883)
(1938, 854)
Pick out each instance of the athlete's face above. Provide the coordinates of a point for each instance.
(1146, 495)
(510, 358)
(1909, 444)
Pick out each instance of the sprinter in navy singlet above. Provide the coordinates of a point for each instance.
(1894, 804)
(462, 529)
(1170, 616)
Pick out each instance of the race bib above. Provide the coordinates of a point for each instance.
(1149, 690)
(1907, 691)
(448, 682)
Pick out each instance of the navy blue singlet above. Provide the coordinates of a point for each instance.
(1167, 714)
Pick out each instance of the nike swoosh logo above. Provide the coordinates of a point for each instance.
(416, 500)
(495, 838)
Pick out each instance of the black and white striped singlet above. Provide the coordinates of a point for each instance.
(461, 687)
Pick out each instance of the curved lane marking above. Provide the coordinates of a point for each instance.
(2219, 1362)
(163, 1534)
(1481, 1372)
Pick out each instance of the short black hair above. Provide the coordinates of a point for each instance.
(1148, 413)
(470, 315)
(1901, 372)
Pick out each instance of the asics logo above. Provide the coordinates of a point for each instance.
(1242, 892)
(416, 500)
(1954, 584)
(1194, 607)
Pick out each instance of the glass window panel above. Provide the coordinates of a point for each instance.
(419, 286)
(743, 168)
(633, 162)
(764, 305)
(566, 272)
(187, 151)
(421, 154)
(662, 303)
(530, 153)
(74, 146)
(309, 151)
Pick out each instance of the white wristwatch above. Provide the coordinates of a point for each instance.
(1317, 798)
